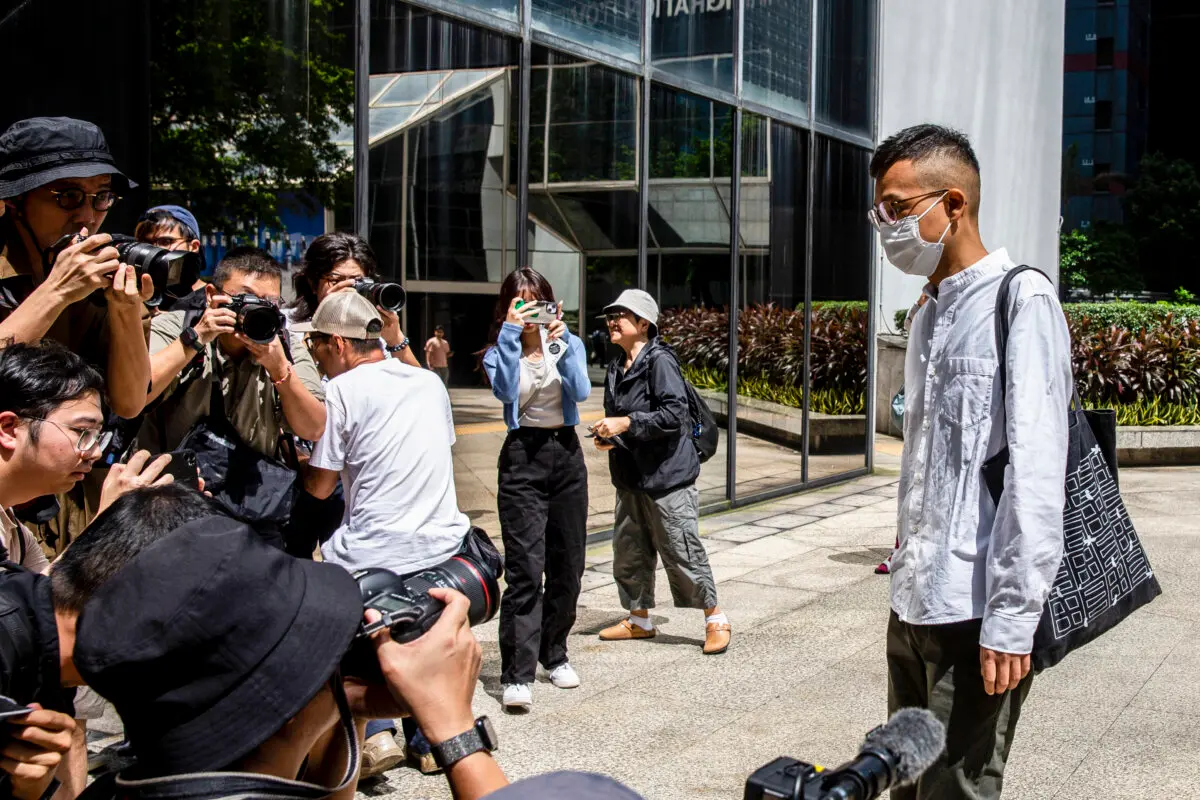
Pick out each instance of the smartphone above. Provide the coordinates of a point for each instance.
(547, 312)
(183, 468)
(11, 709)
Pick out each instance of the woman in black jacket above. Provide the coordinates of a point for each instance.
(654, 466)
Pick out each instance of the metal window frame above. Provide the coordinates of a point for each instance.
(648, 75)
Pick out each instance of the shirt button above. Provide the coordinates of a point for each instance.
(915, 528)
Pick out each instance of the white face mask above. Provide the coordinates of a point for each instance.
(904, 247)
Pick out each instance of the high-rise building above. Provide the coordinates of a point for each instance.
(1105, 106)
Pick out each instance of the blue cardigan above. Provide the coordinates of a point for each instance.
(503, 365)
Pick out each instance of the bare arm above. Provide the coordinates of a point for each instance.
(304, 412)
(320, 483)
(128, 367)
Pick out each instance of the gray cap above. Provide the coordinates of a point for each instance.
(637, 301)
(347, 314)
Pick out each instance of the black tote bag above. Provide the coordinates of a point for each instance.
(1104, 575)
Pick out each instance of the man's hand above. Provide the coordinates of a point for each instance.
(1002, 671)
(391, 333)
(611, 426)
(135, 474)
(435, 675)
(126, 291)
(33, 747)
(269, 356)
(84, 267)
(217, 319)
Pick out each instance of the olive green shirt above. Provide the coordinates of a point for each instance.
(251, 403)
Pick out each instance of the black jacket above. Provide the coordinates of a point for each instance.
(656, 454)
(29, 669)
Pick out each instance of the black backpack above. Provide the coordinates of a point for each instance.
(705, 434)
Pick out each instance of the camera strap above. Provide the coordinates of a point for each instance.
(246, 785)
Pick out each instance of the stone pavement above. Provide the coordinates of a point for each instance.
(806, 677)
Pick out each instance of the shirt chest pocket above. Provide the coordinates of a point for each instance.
(966, 397)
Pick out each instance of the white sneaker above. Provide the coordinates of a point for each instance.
(564, 676)
(518, 695)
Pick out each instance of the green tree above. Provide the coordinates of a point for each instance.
(1163, 213)
(246, 96)
(1104, 260)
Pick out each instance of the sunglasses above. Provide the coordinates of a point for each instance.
(617, 316)
(71, 199)
(889, 212)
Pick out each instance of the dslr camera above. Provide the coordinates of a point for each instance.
(258, 320)
(408, 611)
(388, 296)
(165, 267)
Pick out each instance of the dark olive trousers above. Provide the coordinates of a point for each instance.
(937, 667)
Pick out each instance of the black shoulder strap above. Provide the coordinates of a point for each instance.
(1002, 319)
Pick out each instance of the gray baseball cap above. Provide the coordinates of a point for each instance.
(637, 301)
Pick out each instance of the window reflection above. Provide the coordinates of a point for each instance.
(841, 255)
(694, 40)
(776, 44)
(614, 26)
(845, 63)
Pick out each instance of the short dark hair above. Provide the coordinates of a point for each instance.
(247, 260)
(118, 534)
(325, 253)
(936, 146)
(363, 347)
(37, 378)
(437, 328)
(156, 220)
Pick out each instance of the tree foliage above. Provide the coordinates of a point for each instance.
(246, 96)
(1104, 261)
(1163, 212)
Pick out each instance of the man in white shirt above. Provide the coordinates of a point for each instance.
(388, 434)
(969, 577)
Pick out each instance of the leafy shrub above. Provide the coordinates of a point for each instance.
(1131, 316)
(1115, 366)
(824, 401)
(771, 343)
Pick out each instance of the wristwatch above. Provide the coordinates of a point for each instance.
(191, 339)
(480, 737)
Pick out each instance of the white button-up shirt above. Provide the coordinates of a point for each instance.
(960, 556)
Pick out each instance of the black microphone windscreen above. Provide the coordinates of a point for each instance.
(915, 737)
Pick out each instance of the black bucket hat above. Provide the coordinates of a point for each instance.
(37, 151)
(210, 640)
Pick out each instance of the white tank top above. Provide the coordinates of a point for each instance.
(545, 409)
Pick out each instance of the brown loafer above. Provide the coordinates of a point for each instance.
(379, 754)
(626, 630)
(716, 637)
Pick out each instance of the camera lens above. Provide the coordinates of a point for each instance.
(389, 296)
(259, 323)
(467, 576)
(149, 259)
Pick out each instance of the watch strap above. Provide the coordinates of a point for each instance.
(191, 339)
(455, 749)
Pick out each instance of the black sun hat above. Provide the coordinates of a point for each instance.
(37, 151)
(210, 640)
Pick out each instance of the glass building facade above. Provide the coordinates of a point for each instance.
(712, 152)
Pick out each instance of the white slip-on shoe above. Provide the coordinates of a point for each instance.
(518, 695)
(564, 676)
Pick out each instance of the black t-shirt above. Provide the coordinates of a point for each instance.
(29, 669)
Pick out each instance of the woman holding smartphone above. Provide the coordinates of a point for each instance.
(538, 370)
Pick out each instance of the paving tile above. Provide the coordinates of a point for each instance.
(743, 533)
(787, 521)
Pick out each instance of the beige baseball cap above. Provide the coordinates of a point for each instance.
(345, 314)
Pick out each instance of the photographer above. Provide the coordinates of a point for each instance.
(176, 228)
(50, 436)
(333, 263)
(388, 436)
(263, 393)
(58, 178)
(195, 701)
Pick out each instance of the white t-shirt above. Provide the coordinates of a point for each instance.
(388, 430)
(544, 410)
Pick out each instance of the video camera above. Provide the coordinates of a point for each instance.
(165, 267)
(408, 610)
(894, 754)
(388, 296)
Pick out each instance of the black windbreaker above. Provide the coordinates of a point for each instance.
(656, 454)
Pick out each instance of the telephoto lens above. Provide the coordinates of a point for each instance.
(409, 612)
(165, 267)
(258, 319)
(388, 296)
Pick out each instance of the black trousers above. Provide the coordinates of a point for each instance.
(937, 667)
(542, 500)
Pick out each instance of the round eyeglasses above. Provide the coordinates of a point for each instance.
(889, 212)
(89, 438)
(71, 199)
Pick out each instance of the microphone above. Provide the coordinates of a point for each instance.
(894, 754)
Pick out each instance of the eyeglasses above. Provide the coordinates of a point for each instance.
(889, 212)
(88, 437)
(314, 338)
(616, 316)
(71, 199)
(165, 242)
